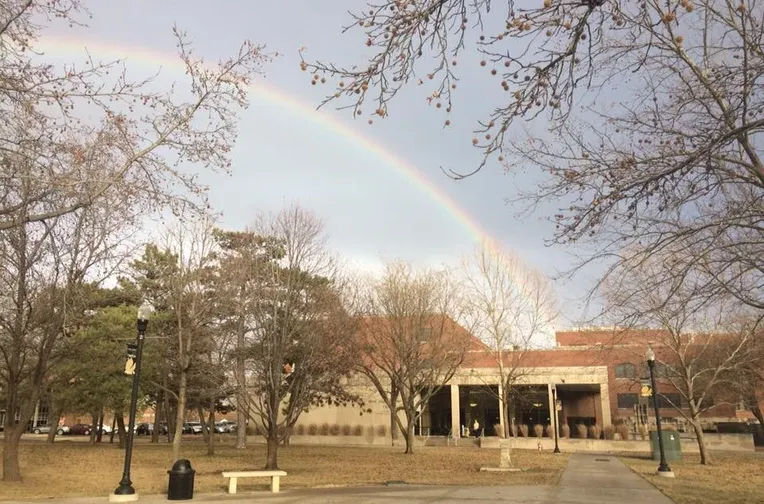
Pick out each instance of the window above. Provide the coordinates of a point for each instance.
(669, 401)
(708, 401)
(625, 370)
(662, 370)
(627, 400)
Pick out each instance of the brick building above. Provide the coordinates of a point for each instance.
(596, 376)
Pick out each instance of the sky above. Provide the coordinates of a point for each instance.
(373, 208)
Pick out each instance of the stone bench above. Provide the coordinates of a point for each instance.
(233, 477)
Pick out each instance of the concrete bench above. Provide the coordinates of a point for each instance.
(233, 477)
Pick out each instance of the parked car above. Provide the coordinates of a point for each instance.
(80, 430)
(225, 426)
(62, 429)
(192, 428)
(41, 429)
(106, 429)
(144, 429)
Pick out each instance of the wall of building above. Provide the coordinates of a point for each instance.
(714, 442)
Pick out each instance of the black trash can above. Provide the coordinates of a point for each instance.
(181, 486)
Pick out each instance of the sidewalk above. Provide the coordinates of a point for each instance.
(604, 479)
(588, 479)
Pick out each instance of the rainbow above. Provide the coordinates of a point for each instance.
(109, 51)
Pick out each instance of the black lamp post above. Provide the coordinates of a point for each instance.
(125, 490)
(554, 419)
(663, 468)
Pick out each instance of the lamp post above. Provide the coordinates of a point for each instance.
(125, 491)
(554, 419)
(663, 468)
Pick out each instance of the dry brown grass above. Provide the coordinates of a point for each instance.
(78, 469)
(732, 479)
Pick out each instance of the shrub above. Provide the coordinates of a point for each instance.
(382, 430)
(312, 429)
(581, 431)
(624, 431)
(538, 430)
(565, 431)
(358, 430)
(524, 430)
(346, 430)
(642, 431)
(334, 430)
(324, 429)
(498, 430)
(608, 432)
(300, 429)
(549, 430)
(595, 431)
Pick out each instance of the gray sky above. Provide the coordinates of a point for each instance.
(371, 209)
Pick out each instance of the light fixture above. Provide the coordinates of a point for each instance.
(650, 355)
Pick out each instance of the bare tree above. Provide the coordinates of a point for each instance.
(46, 269)
(704, 340)
(245, 261)
(410, 341)
(301, 348)
(674, 156)
(511, 306)
(192, 301)
(85, 132)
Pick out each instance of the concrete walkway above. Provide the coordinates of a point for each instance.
(591, 479)
(588, 479)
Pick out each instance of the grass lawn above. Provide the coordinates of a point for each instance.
(68, 469)
(732, 479)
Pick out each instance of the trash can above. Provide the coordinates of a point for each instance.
(181, 486)
(672, 447)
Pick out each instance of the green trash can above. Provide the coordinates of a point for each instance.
(671, 446)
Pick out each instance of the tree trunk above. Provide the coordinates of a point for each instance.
(93, 428)
(121, 428)
(52, 434)
(169, 415)
(211, 430)
(53, 422)
(409, 435)
(100, 426)
(157, 418)
(507, 421)
(393, 413)
(242, 402)
(272, 461)
(757, 413)
(11, 437)
(113, 428)
(705, 457)
(203, 423)
(179, 415)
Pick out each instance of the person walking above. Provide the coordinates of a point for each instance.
(476, 428)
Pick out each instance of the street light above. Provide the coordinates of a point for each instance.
(125, 491)
(554, 419)
(663, 469)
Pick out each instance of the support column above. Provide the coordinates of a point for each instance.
(456, 426)
(550, 398)
(605, 404)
